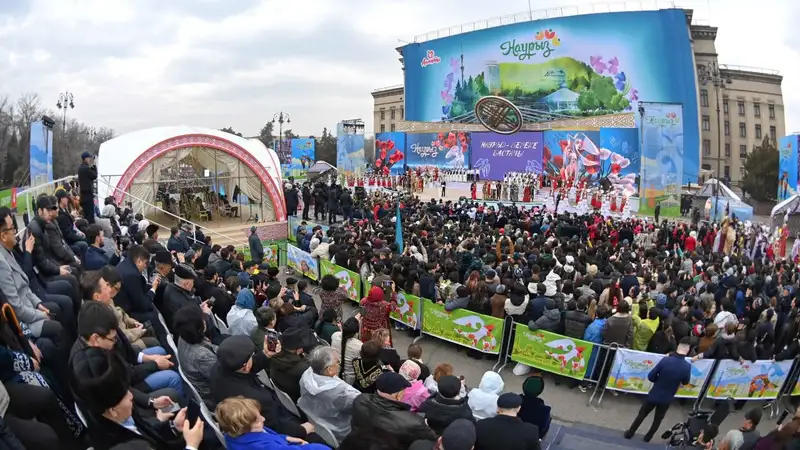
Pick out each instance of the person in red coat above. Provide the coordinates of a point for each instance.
(690, 243)
(473, 190)
(376, 312)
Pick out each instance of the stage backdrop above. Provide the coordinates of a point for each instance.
(350, 156)
(41, 154)
(662, 158)
(576, 66)
(283, 147)
(443, 150)
(787, 167)
(390, 152)
(496, 154)
(303, 153)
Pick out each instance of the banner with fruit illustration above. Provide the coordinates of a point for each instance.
(748, 381)
(462, 327)
(348, 280)
(408, 310)
(631, 368)
(551, 352)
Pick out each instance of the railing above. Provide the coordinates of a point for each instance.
(194, 225)
(34, 191)
(760, 70)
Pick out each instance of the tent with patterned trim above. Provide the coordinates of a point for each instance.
(155, 163)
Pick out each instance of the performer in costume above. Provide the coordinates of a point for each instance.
(473, 189)
(526, 193)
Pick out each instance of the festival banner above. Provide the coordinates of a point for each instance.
(41, 154)
(631, 368)
(294, 222)
(8, 198)
(408, 310)
(662, 158)
(270, 253)
(302, 262)
(787, 166)
(443, 150)
(561, 69)
(748, 381)
(283, 147)
(349, 280)
(463, 327)
(551, 352)
(303, 156)
(390, 153)
(496, 154)
(350, 154)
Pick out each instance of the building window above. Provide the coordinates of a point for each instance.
(727, 128)
(727, 171)
(757, 109)
(706, 147)
(742, 151)
(771, 111)
(742, 129)
(392, 126)
(402, 112)
(706, 123)
(773, 134)
(704, 98)
(383, 127)
(383, 115)
(758, 131)
(725, 105)
(741, 107)
(706, 166)
(391, 114)
(727, 150)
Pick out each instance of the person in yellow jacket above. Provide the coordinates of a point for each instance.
(645, 325)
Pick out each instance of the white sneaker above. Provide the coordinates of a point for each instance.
(521, 369)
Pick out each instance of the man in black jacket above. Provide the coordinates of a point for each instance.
(493, 433)
(87, 174)
(66, 224)
(306, 200)
(445, 407)
(347, 204)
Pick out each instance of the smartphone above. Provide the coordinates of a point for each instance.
(387, 283)
(272, 343)
(193, 412)
(172, 408)
(147, 324)
(211, 301)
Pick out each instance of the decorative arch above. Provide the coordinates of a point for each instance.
(206, 141)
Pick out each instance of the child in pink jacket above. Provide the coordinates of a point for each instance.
(417, 393)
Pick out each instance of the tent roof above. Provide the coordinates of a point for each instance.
(722, 190)
(320, 167)
(791, 204)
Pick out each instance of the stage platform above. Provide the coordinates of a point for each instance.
(225, 230)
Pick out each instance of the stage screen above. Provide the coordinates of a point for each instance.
(350, 156)
(41, 154)
(496, 154)
(787, 167)
(390, 151)
(443, 150)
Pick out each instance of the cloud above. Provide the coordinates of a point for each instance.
(140, 63)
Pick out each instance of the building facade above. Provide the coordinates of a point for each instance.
(738, 108)
(750, 108)
(389, 108)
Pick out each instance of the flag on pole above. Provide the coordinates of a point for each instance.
(398, 232)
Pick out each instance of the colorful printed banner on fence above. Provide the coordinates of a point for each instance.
(551, 352)
(302, 262)
(295, 222)
(463, 327)
(349, 280)
(631, 368)
(270, 253)
(761, 379)
(408, 310)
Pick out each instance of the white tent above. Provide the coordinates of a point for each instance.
(722, 190)
(790, 205)
(134, 163)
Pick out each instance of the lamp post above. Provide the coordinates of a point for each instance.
(281, 118)
(65, 102)
(710, 73)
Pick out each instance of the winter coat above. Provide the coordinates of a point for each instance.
(327, 401)
(667, 376)
(643, 331)
(285, 370)
(266, 440)
(575, 324)
(550, 321)
(483, 400)
(415, 395)
(440, 412)
(241, 319)
(197, 360)
(594, 332)
(457, 303)
(619, 329)
(375, 417)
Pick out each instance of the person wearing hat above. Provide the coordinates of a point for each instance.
(493, 433)
(459, 435)
(256, 248)
(446, 406)
(286, 368)
(384, 417)
(151, 240)
(180, 293)
(236, 374)
(87, 174)
(533, 409)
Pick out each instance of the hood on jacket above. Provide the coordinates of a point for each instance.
(317, 384)
(245, 299)
(550, 282)
(375, 295)
(491, 382)
(552, 314)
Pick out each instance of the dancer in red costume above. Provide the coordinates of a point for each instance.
(473, 189)
(526, 193)
(613, 203)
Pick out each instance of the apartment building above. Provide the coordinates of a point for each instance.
(388, 109)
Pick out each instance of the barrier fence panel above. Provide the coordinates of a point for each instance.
(631, 367)
(749, 381)
(551, 352)
(271, 253)
(463, 327)
(349, 280)
(302, 262)
(408, 311)
(294, 222)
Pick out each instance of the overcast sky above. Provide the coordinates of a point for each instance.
(133, 64)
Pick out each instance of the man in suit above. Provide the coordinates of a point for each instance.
(492, 433)
(136, 297)
(87, 174)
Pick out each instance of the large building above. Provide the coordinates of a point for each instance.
(750, 108)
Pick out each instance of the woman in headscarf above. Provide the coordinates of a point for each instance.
(241, 319)
(376, 311)
(368, 367)
(417, 393)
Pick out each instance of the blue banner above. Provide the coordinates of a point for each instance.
(390, 152)
(303, 153)
(444, 150)
(41, 154)
(575, 67)
(350, 156)
(662, 156)
(787, 167)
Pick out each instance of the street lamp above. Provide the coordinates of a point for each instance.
(65, 102)
(281, 118)
(710, 73)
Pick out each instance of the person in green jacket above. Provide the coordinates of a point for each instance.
(645, 325)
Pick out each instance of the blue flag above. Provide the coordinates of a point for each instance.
(398, 231)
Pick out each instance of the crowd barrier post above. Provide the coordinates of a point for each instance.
(698, 403)
(421, 314)
(791, 387)
(605, 370)
(506, 344)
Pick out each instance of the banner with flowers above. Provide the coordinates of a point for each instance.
(551, 352)
(631, 368)
(408, 310)
(462, 326)
(390, 150)
(443, 150)
(348, 280)
(748, 381)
